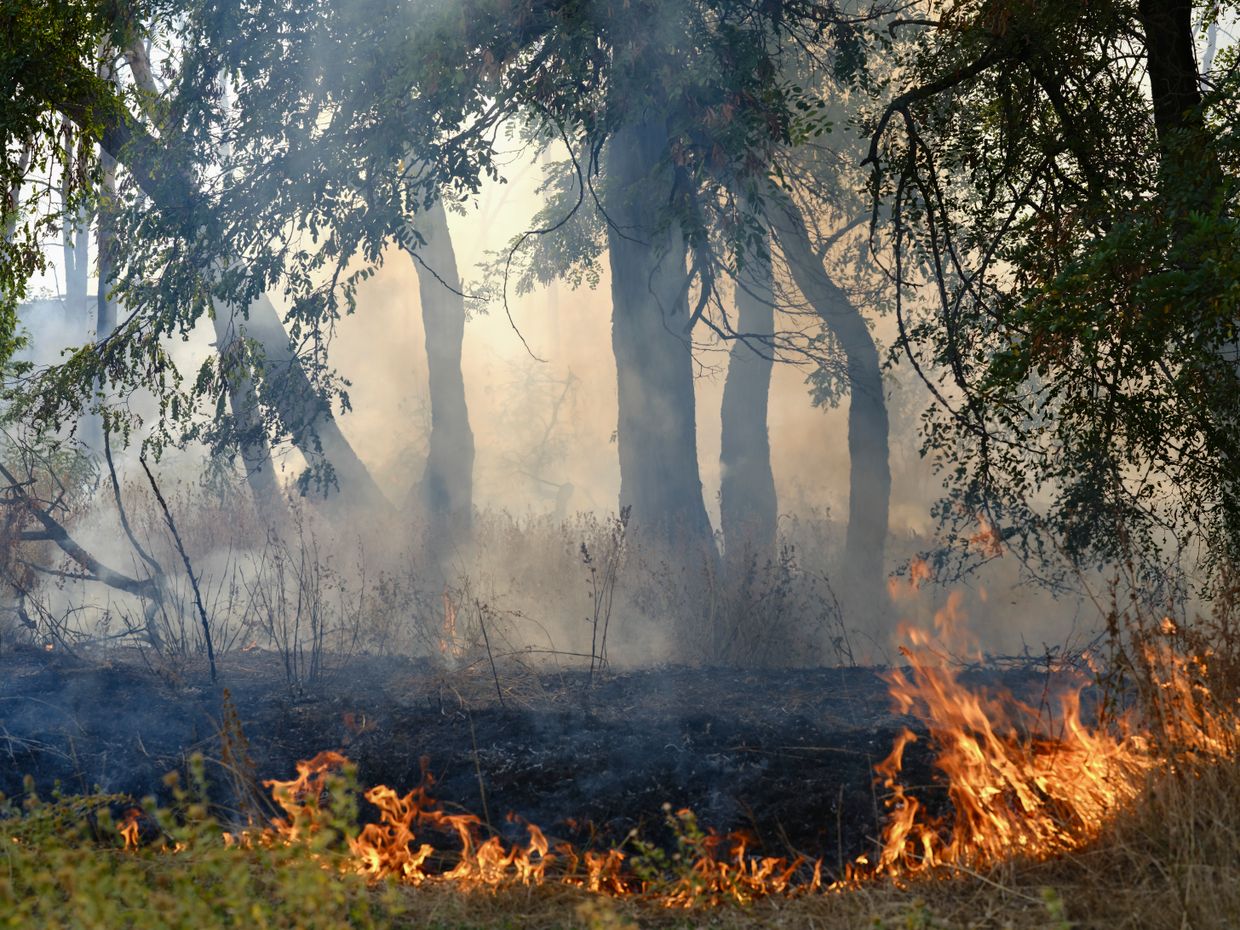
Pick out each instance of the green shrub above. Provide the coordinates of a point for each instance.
(64, 865)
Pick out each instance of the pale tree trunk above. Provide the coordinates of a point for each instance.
(286, 388)
(74, 243)
(12, 202)
(447, 485)
(251, 430)
(869, 484)
(748, 508)
(75, 246)
(91, 432)
(656, 434)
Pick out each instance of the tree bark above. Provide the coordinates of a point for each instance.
(252, 441)
(869, 483)
(1190, 165)
(656, 433)
(313, 428)
(447, 486)
(748, 508)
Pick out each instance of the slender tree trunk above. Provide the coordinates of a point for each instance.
(11, 208)
(447, 486)
(656, 435)
(869, 483)
(105, 234)
(75, 247)
(91, 432)
(748, 509)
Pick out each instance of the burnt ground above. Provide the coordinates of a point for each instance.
(786, 755)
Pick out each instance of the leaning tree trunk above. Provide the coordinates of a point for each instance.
(250, 427)
(869, 484)
(656, 434)
(285, 386)
(447, 487)
(748, 508)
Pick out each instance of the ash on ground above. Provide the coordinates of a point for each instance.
(785, 756)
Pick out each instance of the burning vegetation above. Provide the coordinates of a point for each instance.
(278, 494)
(1027, 788)
(1022, 782)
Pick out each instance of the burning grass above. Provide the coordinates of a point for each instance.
(1131, 819)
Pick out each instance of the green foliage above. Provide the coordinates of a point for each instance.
(1082, 261)
(62, 864)
(42, 44)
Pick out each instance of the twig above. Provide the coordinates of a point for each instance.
(155, 567)
(482, 787)
(189, 569)
(486, 639)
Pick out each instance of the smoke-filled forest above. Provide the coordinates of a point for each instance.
(618, 464)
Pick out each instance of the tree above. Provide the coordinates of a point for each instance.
(869, 485)
(249, 340)
(680, 105)
(657, 431)
(1075, 217)
(748, 507)
(446, 487)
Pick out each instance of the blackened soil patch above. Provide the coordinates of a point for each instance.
(786, 756)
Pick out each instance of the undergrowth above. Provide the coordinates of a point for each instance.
(1172, 861)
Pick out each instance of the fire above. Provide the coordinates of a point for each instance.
(129, 829)
(1020, 782)
(1024, 782)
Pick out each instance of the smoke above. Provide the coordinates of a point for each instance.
(544, 421)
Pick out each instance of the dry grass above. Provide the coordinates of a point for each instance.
(1172, 862)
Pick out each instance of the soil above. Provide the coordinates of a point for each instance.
(785, 755)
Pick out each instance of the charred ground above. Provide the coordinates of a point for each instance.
(787, 756)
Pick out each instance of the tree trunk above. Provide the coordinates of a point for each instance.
(748, 509)
(869, 482)
(446, 490)
(313, 428)
(91, 432)
(252, 442)
(1190, 164)
(75, 247)
(656, 435)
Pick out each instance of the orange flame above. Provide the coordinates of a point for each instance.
(1013, 790)
(129, 829)
(1020, 782)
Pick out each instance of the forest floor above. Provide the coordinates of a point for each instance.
(785, 755)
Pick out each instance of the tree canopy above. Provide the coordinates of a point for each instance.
(1060, 190)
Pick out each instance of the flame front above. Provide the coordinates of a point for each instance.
(1020, 783)
(1030, 783)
